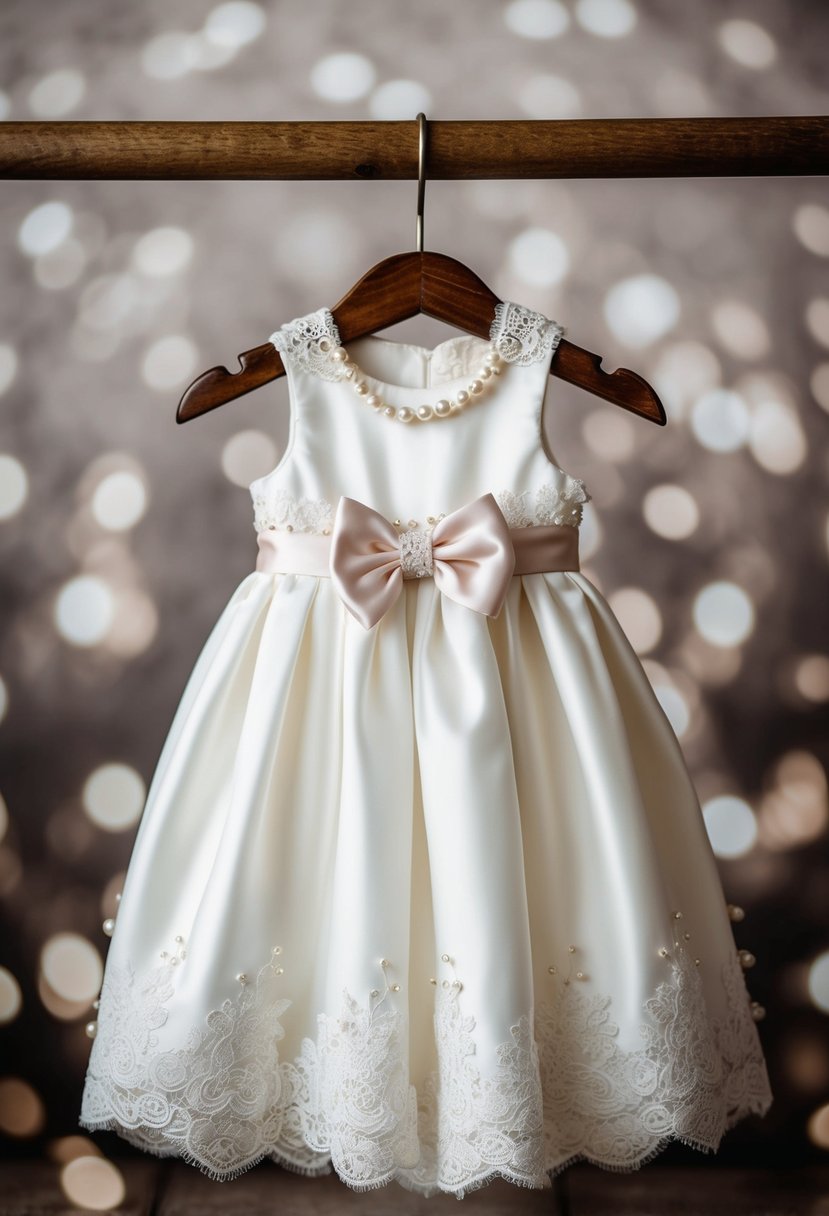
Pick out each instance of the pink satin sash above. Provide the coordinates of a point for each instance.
(471, 553)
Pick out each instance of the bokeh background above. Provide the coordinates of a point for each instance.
(123, 534)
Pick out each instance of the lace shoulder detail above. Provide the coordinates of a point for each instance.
(308, 341)
(562, 1087)
(523, 335)
(547, 504)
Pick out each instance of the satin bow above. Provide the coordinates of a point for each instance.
(473, 558)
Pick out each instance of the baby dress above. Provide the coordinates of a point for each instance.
(422, 890)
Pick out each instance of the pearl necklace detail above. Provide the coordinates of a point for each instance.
(447, 407)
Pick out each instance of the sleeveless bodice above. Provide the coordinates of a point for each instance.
(340, 445)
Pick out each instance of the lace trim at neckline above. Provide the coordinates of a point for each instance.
(520, 334)
(549, 503)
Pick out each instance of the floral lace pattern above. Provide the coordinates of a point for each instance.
(523, 335)
(300, 340)
(520, 334)
(547, 504)
(562, 1088)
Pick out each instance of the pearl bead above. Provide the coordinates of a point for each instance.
(374, 400)
(457, 984)
(242, 978)
(280, 970)
(747, 959)
(477, 386)
(118, 897)
(758, 1011)
(390, 411)
(424, 412)
(361, 388)
(445, 958)
(579, 975)
(405, 414)
(277, 950)
(395, 987)
(91, 1029)
(492, 357)
(663, 951)
(687, 936)
(445, 983)
(496, 371)
(484, 373)
(571, 949)
(374, 992)
(461, 396)
(412, 523)
(340, 354)
(551, 970)
(735, 912)
(443, 407)
(697, 962)
(677, 915)
(108, 926)
(289, 527)
(96, 1004)
(384, 962)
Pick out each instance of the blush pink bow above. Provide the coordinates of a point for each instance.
(473, 558)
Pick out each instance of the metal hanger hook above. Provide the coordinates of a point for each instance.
(421, 177)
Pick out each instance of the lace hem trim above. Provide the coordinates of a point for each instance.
(561, 1091)
(520, 334)
(547, 504)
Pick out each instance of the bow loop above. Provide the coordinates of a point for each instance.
(473, 558)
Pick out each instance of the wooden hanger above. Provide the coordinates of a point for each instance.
(402, 286)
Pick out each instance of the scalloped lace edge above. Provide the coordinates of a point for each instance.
(562, 1090)
(548, 504)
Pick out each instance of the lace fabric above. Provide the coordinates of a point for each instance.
(549, 503)
(520, 334)
(561, 1089)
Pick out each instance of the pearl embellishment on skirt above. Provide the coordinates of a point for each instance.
(445, 408)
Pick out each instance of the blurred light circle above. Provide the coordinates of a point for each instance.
(119, 501)
(107, 301)
(607, 18)
(163, 251)
(720, 420)
(817, 1127)
(776, 437)
(670, 511)
(741, 329)
(539, 257)
(399, 99)
(819, 982)
(8, 365)
(248, 455)
(14, 485)
(730, 824)
(169, 362)
(205, 55)
(817, 320)
(747, 43)
(84, 610)
(344, 76)
(536, 18)
(60, 267)
(723, 614)
(11, 998)
(93, 1183)
(170, 55)
(549, 96)
(641, 309)
(22, 1112)
(113, 796)
(639, 617)
(818, 383)
(609, 434)
(72, 967)
(235, 23)
(44, 228)
(811, 677)
(57, 94)
(810, 224)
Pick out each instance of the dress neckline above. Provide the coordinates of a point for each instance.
(425, 391)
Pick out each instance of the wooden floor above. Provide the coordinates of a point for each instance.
(170, 1187)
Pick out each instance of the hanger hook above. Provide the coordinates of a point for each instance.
(421, 177)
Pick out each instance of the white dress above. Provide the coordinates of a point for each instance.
(430, 901)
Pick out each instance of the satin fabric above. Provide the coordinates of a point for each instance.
(475, 554)
(492, 789)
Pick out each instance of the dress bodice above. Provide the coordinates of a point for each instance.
(340, 444)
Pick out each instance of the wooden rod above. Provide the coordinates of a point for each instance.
(775, 146)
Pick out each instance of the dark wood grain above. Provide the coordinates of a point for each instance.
(773, 146)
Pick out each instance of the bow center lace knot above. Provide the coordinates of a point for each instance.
(416, 558)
